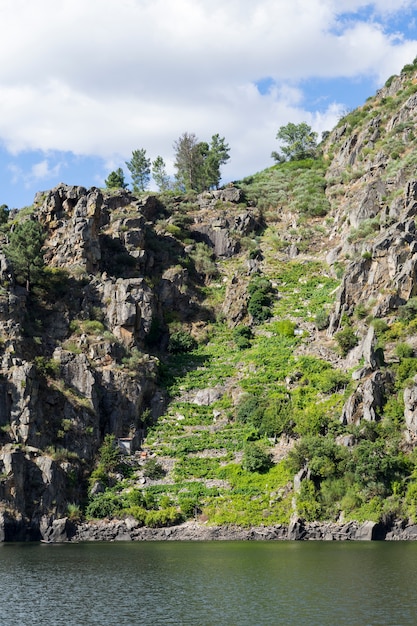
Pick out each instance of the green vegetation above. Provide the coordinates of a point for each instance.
(260, 300)
(256, 392)
(139, 167)
(297, 185)
(160, 175)
(299, 142)
(198, 163)
(24, 252)
(116, 180)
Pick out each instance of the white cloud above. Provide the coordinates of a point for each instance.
(40, 171)
(104, 77)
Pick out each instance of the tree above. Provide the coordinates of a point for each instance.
(159, 174)
(188, 162)
(109, 454)
(218, 154)
(198, 163)
(4, 214)
(24, 251)
(139, 167)
(116, 180)
(300, 142)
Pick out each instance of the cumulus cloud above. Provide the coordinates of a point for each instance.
(105, 77)
(37, 172)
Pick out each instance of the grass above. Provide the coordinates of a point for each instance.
(299, 185)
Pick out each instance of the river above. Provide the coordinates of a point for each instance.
(209, 583)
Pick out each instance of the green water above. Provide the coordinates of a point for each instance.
(209, 583)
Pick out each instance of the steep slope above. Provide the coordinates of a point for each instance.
(253, 347)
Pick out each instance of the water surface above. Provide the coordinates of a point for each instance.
(209, 583)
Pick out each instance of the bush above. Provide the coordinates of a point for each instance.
(346, 340)
(93, 326)
(322, 320)
(259, 304)
(242, 336)
(153, 470)
(189, 506)
(109, 454)
(163, 517)
(404, 351)
(256, 459)
(105, 504)
(307, 505)
(285, 328)
(47, 367)
(181, 341)
(408, 311)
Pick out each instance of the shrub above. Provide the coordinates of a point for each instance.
(109, 454)
(105, 504)
(153, 470)
(249, 406)
(256, 458)
(322, 320)
(74, 512)
(189, 506)
(404, 351)
(259, 304)
(203, 259)
(181, 341)
(164, 517)
(93, 326)
(346, 340)
(242, 336)
(285, 328)
(307, 504)
(409, 310)
(380, 326)
(46, 367)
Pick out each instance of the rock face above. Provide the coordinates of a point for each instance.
(410, 410)
(84, 371)
(80, 358)
(367, 401)
(298, 530)
(76, 365)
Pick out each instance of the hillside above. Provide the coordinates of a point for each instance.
(254, 347)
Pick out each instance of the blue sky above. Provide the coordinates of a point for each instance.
(83, 83)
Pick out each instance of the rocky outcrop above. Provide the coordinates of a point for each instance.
(235, 303)
(410, 408)
(215, 198)
(76, 211)
(223, 234)
(367, 401)
(299, 530)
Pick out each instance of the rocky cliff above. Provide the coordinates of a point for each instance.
(290, 297)
(79, 352)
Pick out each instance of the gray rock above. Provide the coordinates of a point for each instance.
(366, 532)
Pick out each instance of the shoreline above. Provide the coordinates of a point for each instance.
(64, 530)
(298, 530)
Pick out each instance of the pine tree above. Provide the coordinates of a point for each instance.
(198, 163)
(189, 162)
(159, 174)
(116, 180)
(139, 167)
(24, 251)
(218, 154)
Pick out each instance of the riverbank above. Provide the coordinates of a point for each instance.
(129, 530)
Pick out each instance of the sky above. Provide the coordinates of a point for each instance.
(83, 83)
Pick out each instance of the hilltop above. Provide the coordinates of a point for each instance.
(253, 347)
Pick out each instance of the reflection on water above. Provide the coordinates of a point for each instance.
(209, 583)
